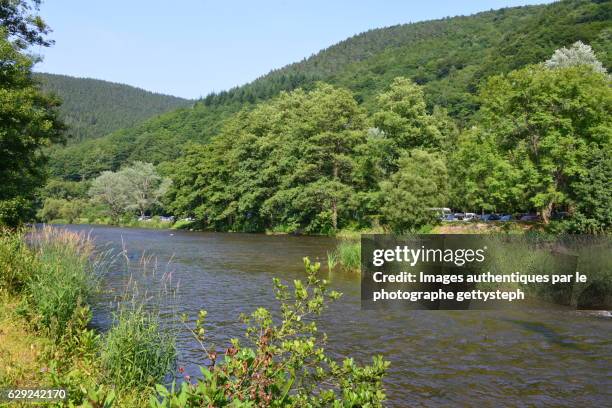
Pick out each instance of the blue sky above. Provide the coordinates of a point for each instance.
(189, 48)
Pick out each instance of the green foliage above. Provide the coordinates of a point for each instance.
(283, 364)
(403, 116)
(449, 57)
(28, 124)
(68, 190)
(349, 255)
(420, 184)
(481, 177)
(136, 187)
(287, 162)
(92, 108)
(60, 208)
(303, 162)
(544, 124)
(62, 280)
(16, 262)
(136, 352)
(591, 195)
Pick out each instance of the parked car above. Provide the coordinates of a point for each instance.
(441, 212)
(470, 217)
(448, 218)
(490, 217)
(459, 216)
(506, 217)
(530, 218)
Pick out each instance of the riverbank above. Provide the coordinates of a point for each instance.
(45, 289)
(45, 338)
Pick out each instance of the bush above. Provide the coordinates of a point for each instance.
(136, 351)
(284, 363)
(16, 262)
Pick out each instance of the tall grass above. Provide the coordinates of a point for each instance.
(348, 255)
(63, 278)
(137, 351)
(332, 260)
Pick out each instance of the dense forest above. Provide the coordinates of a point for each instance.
(451, 58)
(92, 108)
(506, 111)
(317, 161)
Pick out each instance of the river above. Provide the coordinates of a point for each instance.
(438, 358)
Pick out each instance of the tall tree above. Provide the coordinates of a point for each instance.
(481, 177)
(546, 122)
(28, 118)
(403, 116)
(420, 184)
(111, 190)
(144, 186)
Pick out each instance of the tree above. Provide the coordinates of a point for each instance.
(403, 116)
(576, 55)
(28, 122)
(143, 186)
(329, 126)
(111, 189)
(546, 123)
(481, 177)
(420, 184)
(22, 25)
(288, 163)
(591, 195)
(60, 208)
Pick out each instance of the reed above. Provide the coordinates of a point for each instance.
(63, 278)
(332, 260)
(137, 352)
(349, 255)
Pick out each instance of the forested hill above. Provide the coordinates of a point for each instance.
(450, 57)
(93, 108)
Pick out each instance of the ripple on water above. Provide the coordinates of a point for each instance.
(437, 358)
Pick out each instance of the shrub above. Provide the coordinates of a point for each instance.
(137, 352)
(16, 262)
(284, 363)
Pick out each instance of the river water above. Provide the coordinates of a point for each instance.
(438, 358)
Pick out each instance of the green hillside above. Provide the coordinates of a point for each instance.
(92, 108)
(450, 57)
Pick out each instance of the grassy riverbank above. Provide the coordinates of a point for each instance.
(45, 286)
(48, 277)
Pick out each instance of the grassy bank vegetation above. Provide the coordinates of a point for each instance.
(45, 286)
(47, 279)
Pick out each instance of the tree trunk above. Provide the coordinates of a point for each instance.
(334, 203)
(334, 214)
(546, 212)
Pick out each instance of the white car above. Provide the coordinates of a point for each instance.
(470, 217)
